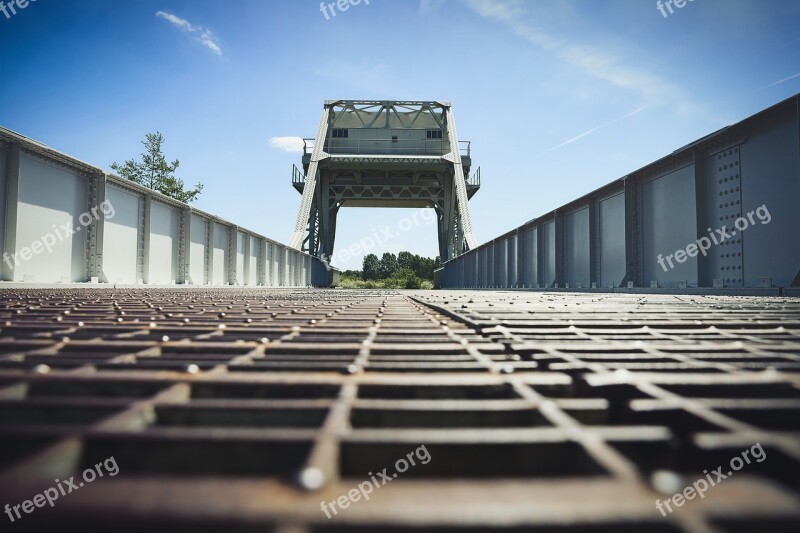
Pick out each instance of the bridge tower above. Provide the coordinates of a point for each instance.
(385, 154)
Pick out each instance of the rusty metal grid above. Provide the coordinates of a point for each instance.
(541, 412)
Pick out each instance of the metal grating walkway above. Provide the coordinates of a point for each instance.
(540, 412)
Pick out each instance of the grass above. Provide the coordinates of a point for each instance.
(402, 280)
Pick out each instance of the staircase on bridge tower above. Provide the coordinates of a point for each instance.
(385, 154)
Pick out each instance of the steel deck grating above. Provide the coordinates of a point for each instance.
(541, 412)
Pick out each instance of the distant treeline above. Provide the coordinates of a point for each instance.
(402, 271)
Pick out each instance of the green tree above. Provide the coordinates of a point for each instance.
(405, 260)
(154, 172)
(416, 264)
(371, 268)
(427, 267)
(388, 265)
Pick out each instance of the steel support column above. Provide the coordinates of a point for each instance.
(233, 251)
(261, 277)
(633, 233)
(148, 204)
(94, 232)
(311, 182)
(447, 220)
(185, 256)
(702, 217)
(210, 253)
(246, 260)
(522, 264)
(560, 249)
(464, 218)
(594, 242)
(540, 255)
(12, 200)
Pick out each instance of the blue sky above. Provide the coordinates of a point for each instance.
(557, 97)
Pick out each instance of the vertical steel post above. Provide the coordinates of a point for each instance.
(12, 200)
(148, 205)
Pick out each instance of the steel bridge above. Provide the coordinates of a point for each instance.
(385, 154)
(548, 391)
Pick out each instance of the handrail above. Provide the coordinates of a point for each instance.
(297, 175)
(374, 146)
(475, 179)
(464, 147)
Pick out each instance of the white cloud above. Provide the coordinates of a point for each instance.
(604, 63)
(784, 80)
(589, 132)
(199, 33)
(287, 144)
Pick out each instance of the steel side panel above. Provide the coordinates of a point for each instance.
(165, 231)
(531, 257)
(272, 265)
(612, 240)
(771, 178)
(3, 189)
(281, 265)
(501, 253)
(668, 225)
(491, 250)
(50, 201)
(268, 268)
(252, 273)
(549, 253)
(511, 253)
(577, 248)
(723, 207)
(275, 270)
(293, 259)
(197, 250)
(240, 237)
(220, 255)
(121, 236)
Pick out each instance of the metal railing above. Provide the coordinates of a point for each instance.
(378, 146)
(387, 146)
(475, 179)
(298, 177)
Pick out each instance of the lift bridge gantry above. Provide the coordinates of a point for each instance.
(385, 154)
